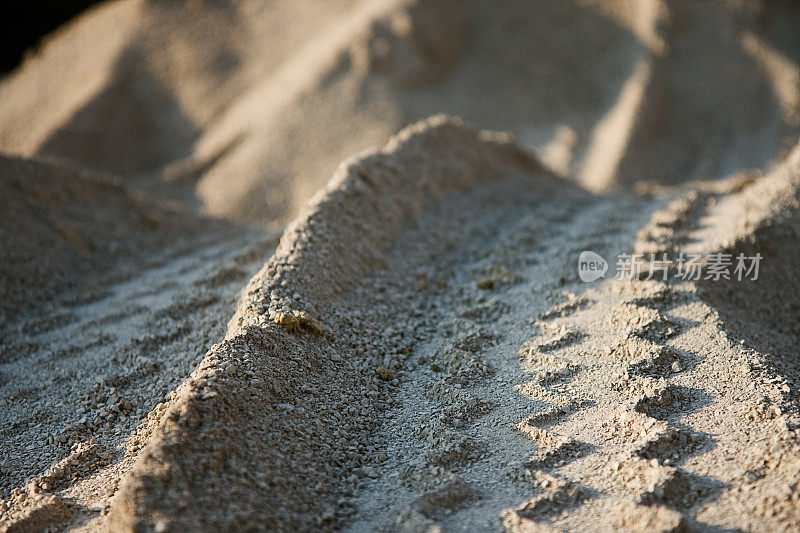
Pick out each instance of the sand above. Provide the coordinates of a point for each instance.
(414, 350)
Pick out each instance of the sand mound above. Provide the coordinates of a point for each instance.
(61, 224)
(292, 343)
(418, 352)
(107, 304)
(382, 371)
(385, 262)
(248, 109)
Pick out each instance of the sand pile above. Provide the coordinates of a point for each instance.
(248, 109)
(303, 352)
(417, 352)
(382, 383)
(59, 225)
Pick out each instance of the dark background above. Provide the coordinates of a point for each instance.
(24, 22)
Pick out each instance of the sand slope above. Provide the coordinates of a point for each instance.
(416, 352)
(419, 352)
(469, 402)
(60, 224)
(248, 109)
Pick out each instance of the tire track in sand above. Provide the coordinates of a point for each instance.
(421, 311)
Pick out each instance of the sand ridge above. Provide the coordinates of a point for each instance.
(414, 350)
(616, 398)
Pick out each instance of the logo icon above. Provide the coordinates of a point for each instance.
(591, 266)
